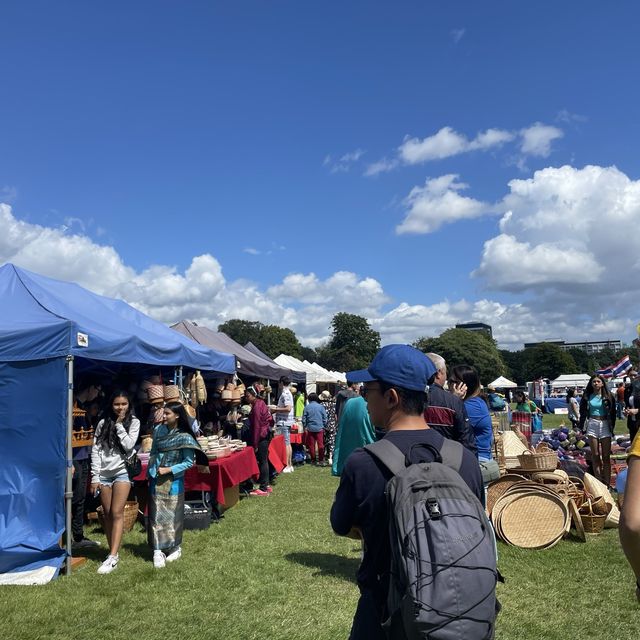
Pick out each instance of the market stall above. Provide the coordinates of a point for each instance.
(296, 365)
(298, 377)
(47, 328)
(248, 363)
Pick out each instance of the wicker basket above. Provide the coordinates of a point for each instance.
(592, 523)
(542, 459)
(130, 515)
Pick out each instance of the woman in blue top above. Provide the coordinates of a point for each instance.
(314, 421)
(598, 411)
(173, 452)
(465, 383)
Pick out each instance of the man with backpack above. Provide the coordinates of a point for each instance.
(415, 498)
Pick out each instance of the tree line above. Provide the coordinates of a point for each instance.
(353, 343)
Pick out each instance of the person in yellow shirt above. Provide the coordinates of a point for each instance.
(630, 517)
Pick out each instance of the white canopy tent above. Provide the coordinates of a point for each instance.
(571, 380)
(323, 375)
(293, 363)
(503, 383)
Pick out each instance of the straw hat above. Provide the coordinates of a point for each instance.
(325, 395)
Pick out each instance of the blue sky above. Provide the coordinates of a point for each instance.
(135, 137)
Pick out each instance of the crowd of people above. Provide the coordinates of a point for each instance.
(409, 399)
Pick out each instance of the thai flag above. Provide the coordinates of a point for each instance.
(621, 367)
(617, 369)
(606, 372)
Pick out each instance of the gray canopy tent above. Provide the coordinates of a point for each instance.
(247, 362)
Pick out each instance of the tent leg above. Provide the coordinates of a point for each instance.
(68, 494)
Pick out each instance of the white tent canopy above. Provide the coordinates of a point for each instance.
(295, 364)
(503, 383)
(571, 380)
(322, 374)
(315, 373)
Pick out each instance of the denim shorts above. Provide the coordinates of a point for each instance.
(284, 430)
(123, 476)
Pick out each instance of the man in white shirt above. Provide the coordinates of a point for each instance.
(284, 418)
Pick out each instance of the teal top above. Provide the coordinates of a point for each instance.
(596, 407)
(354, 430)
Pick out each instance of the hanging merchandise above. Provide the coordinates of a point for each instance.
(201, 389)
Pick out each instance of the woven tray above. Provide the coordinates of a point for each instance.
(496, 489)
(534, 521)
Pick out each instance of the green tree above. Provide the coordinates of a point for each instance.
(459, 346)
(242, 331)
(270, 338)
(516, 365)
(274, 340)
(352, 345)
(309, 354)
(547, 360)
(585, 362)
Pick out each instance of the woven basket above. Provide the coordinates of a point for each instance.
(130, 515)
(593, 524)
(542, 459)
(155, 392)
(171, 392)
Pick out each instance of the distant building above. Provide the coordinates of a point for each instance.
(590, 347)
(476, 326)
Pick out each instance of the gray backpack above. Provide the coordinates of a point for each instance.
(443, 552)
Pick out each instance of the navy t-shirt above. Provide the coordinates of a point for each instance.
(360, 501)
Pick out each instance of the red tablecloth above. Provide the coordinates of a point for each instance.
(278, 453)
(223, 473)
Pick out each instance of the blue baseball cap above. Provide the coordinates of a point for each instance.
(400, 365)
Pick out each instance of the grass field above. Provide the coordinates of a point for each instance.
(272, 569)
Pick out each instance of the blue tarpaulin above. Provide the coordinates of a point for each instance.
(43, 321)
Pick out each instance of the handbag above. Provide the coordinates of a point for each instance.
(133, 465)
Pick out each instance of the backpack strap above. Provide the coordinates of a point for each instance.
(451, 453)
(390, 456)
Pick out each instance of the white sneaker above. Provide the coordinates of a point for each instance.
(287, 470)
(159, 560)
(176, 554)
(109, 565)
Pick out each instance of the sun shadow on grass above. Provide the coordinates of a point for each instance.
(328, 564)
(139, 549)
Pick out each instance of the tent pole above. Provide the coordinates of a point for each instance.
(68, 494)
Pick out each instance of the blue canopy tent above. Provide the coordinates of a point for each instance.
(45, 326)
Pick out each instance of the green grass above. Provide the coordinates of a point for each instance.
(272, 569)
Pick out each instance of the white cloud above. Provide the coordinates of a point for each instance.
(381, 166)
(568, 230)
(305, 302)
(8, 194)
(457, 35)
(251, 251)
(344, 163)
(570, 118)
(437, 203)
(513, 266)
(534, 140)
(537, 139)
(447, 142)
